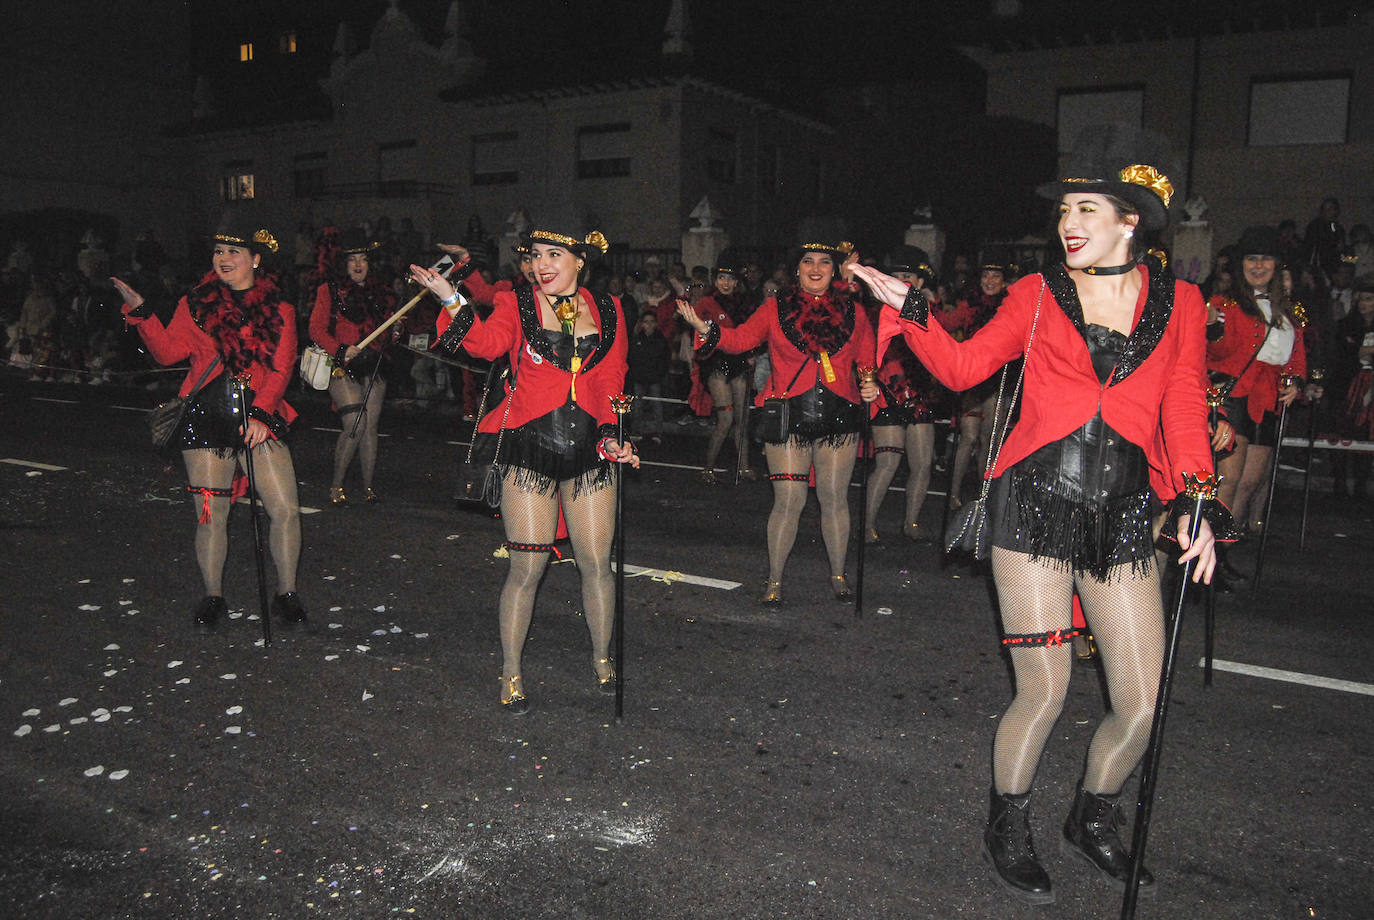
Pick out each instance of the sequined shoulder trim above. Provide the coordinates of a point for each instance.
(530, 326)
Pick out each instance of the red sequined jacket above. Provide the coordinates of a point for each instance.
(270, 364)
(540, 386)
(1155, 396)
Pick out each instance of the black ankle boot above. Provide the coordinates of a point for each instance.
(1091, 832)
(1008, 849)
(288, 608)
(208, 612)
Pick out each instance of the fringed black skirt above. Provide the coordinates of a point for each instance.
(822, 415)
(554, 448)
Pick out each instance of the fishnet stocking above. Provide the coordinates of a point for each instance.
(276, 481)
(1125, 614)
(728, 396)
(834, 465)
(345, 391)
(530, 517)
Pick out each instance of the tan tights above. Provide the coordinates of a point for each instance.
(533, 518)
(834, 464)
(918, 443)
(728, 397)
(276, 481)
(1126, 615)
(347, 394)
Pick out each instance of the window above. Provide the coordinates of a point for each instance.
(308, 174)
(286, 42)
(1286, 111)
(721, 156)
(494, 159)
(245, 52)
(1082, 108)
(236, 187)
(603, 151)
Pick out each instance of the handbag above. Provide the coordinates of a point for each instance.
(489, 492)
(968, 528)
(164, 421)
(772, 420)
(316, 367)
(1223, 382)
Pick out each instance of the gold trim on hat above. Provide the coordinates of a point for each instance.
(1150, 178)
(592, 239)
(262, 238)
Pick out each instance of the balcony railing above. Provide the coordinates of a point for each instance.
(396, 188)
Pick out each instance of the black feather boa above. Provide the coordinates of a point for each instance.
(245, 325)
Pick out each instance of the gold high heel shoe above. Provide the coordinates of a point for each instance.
(772, 593)
(337, 496)
(912, 532)
(513, 698)
(606, 678)
(708, 476)
(871, 536)
(840, 585)
(371, 496)
(1084, 647)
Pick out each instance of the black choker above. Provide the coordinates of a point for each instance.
(1110, 270)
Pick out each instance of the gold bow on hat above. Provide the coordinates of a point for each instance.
(1150, 178)
(596, 239)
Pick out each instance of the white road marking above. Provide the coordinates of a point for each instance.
(1292, 677)
(670, 576)
(34, 465)
(305, 509)
(65, 402)
(131, 408)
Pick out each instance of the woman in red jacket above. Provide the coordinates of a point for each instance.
(906, 425)
(346, 312)
(233, 325)
(1113, 409)
(817, 336)
(726, 375)
(555, 432)
(1259, 358)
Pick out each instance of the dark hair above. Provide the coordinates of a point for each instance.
(1123, 209)
(1281, 305)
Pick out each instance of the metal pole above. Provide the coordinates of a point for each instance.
(1284, 382)
(1214, 401)
(240, 388)
(621, 405)
(867, 374)
(1313, 409)
(1200, 490)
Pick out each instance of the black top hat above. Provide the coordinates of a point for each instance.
(1258, 241)
(243, 234)
(569, 234)
(837, 251)
(1121, 160)
(912, 259)
(728, 263)
(355, 241)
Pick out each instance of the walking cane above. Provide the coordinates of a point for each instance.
(1316, 376)
(620, 405)
(867, 374)
(241, 389)
(367, 392)
(1285, 381)
(1214, 400)
(1200, 489)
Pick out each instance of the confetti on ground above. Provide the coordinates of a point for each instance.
(95, 771)
(379, 632)
(68, 701)
(233, 730)
(110, 673)
(395, 629)
(331, 657)
(233, 710)
(128, 581)
(79, 720)
(230, 676)
(84, 581)
(22, 730)
(53, 728)
(30, 713)
(363, 648)
(119, 774)
(174, 664)
(423, 635)
(381, 608)
(112, 647)
(124, 709)
(395, 556)
(368, 696)
(89, 607)
(884, 611)
(335, 609)
(336, 626)
(184, 680)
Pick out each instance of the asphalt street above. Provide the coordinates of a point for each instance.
(771, 763)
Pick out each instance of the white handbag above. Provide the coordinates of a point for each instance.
(316, 367)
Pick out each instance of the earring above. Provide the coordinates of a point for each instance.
(1128, 232)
